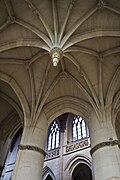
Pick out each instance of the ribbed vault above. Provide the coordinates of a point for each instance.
(88, 35)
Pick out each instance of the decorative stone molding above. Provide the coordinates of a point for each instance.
(52, 154)
(32, 148)
(82, 144)
(27, 64)
(100, 57)
(56, 54)
(11, 20)
(103, 144)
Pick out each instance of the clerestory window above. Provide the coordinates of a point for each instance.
(54, 136)
(79, 128)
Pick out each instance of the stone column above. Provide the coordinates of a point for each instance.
(63, 120)
(30, 158)
(104, 149)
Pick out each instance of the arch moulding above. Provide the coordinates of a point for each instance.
(74, 161)
(13, 84)
(47, 171)
(66, 104)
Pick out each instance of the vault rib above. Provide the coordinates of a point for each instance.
(11, 61)
(4, 26)
(9, 8)
(62, 64)
(85, 92)
(44, 22)
(37, 56)
(111, 51)
(33, 96)
(21, 43)
(13, 103)
(91, 34)
(112, 87)
(80, 69)
(116, 104)
(55, 20)
(91, 88)
(82, 50)
(112, 9)
(42, 86)
(66, 19)
(73, 60)
(100, 81)
(44, 99)
(76, 25)
(35, 31)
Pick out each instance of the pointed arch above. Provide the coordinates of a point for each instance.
(75, 160)
(71, 104)
(13, 84)
(48, 172)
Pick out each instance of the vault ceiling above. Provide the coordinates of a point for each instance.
(86, 32)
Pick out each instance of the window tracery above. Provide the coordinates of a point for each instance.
(79, 128)
(54, 136)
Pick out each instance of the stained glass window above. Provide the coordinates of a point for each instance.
(79, 128)
(54, 136)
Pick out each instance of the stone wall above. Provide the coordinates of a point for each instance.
(61, 162)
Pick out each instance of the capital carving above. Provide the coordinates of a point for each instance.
(103, 144)
(32, 148)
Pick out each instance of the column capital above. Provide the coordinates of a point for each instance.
(32, 148)
(103, 144)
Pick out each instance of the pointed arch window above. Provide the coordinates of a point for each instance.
(54, 136)
(79, 128)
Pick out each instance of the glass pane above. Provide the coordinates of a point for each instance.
(54, 135)
(79, 129)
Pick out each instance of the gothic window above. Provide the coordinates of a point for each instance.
(54, 136)
(79, 128)
(11, 156)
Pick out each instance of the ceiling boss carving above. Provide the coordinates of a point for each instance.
(57, 41)
(56, 54)
(101, 4)
(79, 38)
